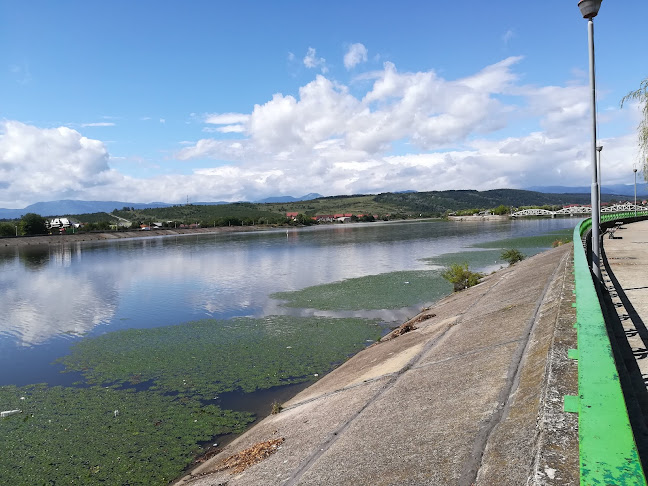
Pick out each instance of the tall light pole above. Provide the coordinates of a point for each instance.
(589, 9)
(598, 174)
(634, 169)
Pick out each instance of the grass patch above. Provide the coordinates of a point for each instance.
(384, 291)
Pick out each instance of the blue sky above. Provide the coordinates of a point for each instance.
(156, 101)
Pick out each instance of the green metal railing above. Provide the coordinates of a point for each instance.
(607, 447)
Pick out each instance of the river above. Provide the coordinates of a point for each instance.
(53, 296)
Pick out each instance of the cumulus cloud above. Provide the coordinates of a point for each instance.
(356, 54)
(43, 163)
(327, 140)
(405, 130)
(312, 61)
(225, 129)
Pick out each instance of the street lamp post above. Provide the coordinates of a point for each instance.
(589, 9)
(634, 169)
(599, 179)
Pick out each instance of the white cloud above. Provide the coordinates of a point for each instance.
(231, 129)
(51, 163)
(312, 61)
(338, 143)
(225, 129)
(98, 124)
(406, 130)
(356, 54)
(507, 36)
(226, 118)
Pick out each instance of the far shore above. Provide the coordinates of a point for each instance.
(116, 235)
(19, 241)
(14, 241)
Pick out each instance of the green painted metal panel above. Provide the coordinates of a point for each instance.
(571, 403)
(608, 452)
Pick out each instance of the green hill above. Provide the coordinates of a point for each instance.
(386, 205)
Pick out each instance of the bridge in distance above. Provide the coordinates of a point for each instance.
(577, 210)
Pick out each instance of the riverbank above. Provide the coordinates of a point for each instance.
(117, 235)
(66, 238)
(471, 394)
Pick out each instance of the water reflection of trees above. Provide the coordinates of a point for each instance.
(34, 257)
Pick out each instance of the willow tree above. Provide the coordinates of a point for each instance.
(641, 96)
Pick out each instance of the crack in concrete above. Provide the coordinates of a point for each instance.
(471, 468)
(330, 441)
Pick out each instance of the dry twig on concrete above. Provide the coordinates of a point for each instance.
(250, 456)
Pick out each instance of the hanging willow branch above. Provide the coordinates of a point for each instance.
(641, 95)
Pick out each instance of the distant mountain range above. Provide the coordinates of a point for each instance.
(69, 206)
(72, 207)
(617, 189)
(287, 199)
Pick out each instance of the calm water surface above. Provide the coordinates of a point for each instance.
(53, 296)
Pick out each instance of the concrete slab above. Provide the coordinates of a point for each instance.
(304, 429)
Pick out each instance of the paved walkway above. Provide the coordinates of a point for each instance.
(627, 256)
(473, 395)
(625, 277)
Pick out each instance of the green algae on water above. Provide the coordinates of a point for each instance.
(391, 290)
(98, 435)
(476, 260)
(536, 243)
(203, 358)
(149, 399)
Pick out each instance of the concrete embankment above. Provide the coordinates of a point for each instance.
(472, 395)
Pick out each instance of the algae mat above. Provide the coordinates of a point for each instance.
(391, 290)
(144, 407)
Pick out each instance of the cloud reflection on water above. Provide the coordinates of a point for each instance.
(72, 289)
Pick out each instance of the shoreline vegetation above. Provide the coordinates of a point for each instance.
(57, 239)
(117, 235)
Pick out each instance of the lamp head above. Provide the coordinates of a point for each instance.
(589, 8)
(599, 148)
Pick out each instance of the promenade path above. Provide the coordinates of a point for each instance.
(627, 256)
(473, 395)
(625, 277)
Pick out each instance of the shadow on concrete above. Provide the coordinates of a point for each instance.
(632, 381)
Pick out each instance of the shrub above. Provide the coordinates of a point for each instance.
(460, 277)
(512, 256)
